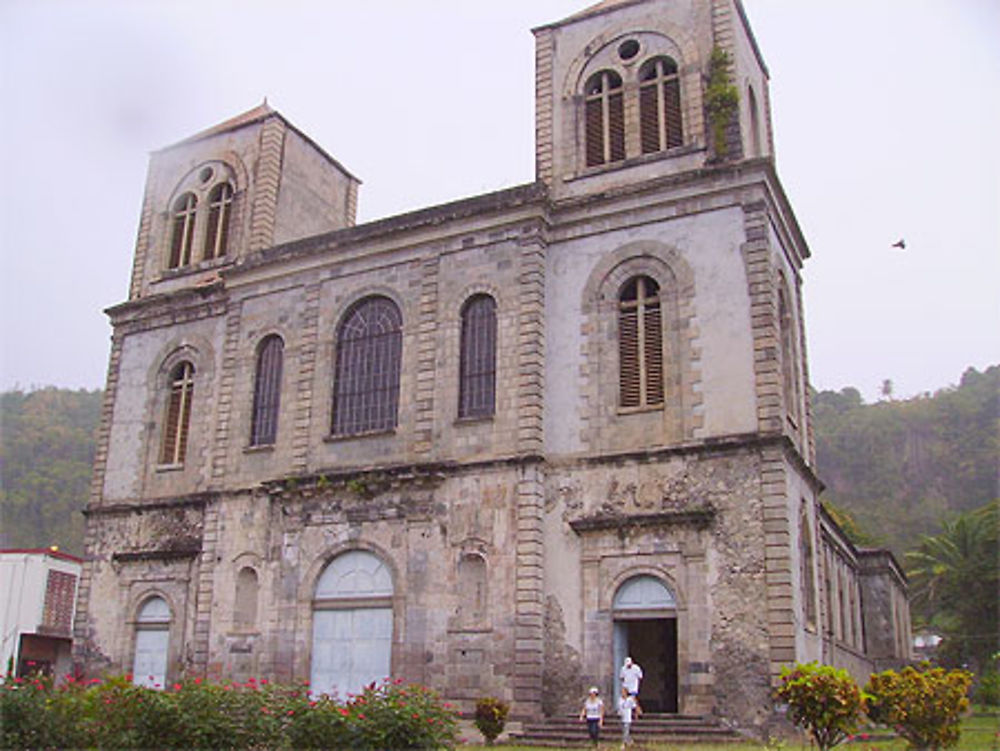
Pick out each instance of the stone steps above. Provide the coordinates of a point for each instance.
(568, 731)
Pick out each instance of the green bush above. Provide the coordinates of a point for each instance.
(823, 700)
(988, 689)
(196, 714)
(491, 716)
(922, 704)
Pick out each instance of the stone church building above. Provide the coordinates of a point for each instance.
(491, 446)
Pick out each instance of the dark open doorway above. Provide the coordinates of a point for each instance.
(652, 643)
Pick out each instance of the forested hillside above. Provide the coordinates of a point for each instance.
(901, 468)
(46, 453)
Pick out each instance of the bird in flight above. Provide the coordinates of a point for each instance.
(901, 244)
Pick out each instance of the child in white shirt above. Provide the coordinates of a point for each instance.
(627, 707)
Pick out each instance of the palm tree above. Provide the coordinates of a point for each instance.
(954, 580)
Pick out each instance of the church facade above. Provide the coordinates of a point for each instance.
(492, 446)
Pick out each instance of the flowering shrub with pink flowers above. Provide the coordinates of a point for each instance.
(195, 714)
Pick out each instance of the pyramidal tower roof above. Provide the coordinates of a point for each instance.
(255, 114)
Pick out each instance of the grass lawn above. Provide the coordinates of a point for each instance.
(980, 732)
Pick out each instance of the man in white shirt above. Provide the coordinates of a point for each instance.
(631, 676)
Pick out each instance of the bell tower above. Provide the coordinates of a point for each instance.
(227, 192)
(631, 90)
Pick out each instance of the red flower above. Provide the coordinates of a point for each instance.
(177, 687)
(197, 681)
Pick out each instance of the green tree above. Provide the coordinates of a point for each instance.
(823, 700)
(954, 580)
(46, 459)
(923, 705)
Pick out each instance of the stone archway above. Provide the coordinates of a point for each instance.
(645, 628)
(352, 624)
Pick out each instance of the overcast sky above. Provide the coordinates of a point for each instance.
(886, 117)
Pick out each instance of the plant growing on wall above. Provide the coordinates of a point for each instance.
(721, 100)
(823, 700)
(922, 704)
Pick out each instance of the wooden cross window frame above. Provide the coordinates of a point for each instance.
(220, 202)
(178, 415)
(604, 118)
(659, 106)
(182, 238)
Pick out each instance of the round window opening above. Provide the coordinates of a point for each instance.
(206, 174)
(628, 49)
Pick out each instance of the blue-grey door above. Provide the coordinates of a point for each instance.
(352, 625)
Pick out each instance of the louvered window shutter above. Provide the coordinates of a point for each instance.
(595, 133)
(672, 108)
(628, 353)
(640, 344)
(616, 126)
(649, 120)
(653, 351)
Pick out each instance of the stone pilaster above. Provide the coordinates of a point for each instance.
(777, 559)
(142, 243)
(427, 347)
(204, 596)
(763, 318)
(529, 594)
(224, 406)
(268, 182)
(544, 51)
(531, 344)
(309, 330)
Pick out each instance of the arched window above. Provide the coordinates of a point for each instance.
(245, 610)
(267, 391)
(807, 577)
(478, 364)
(178, 414)
(352, 624)
(183, 230)
(604, 118)
(369, 345)
(152, 642)
(659, 105)
(640, 344)
(220, 201)
(755, 144)
(789, 356)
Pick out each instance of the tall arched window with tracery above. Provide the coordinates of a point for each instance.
(267, 391)
(660, 125)
(178, 414)
(182, 236)
(478, 360)
(604, 118)
(640, 343)
(366, 389)
(220, 202)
